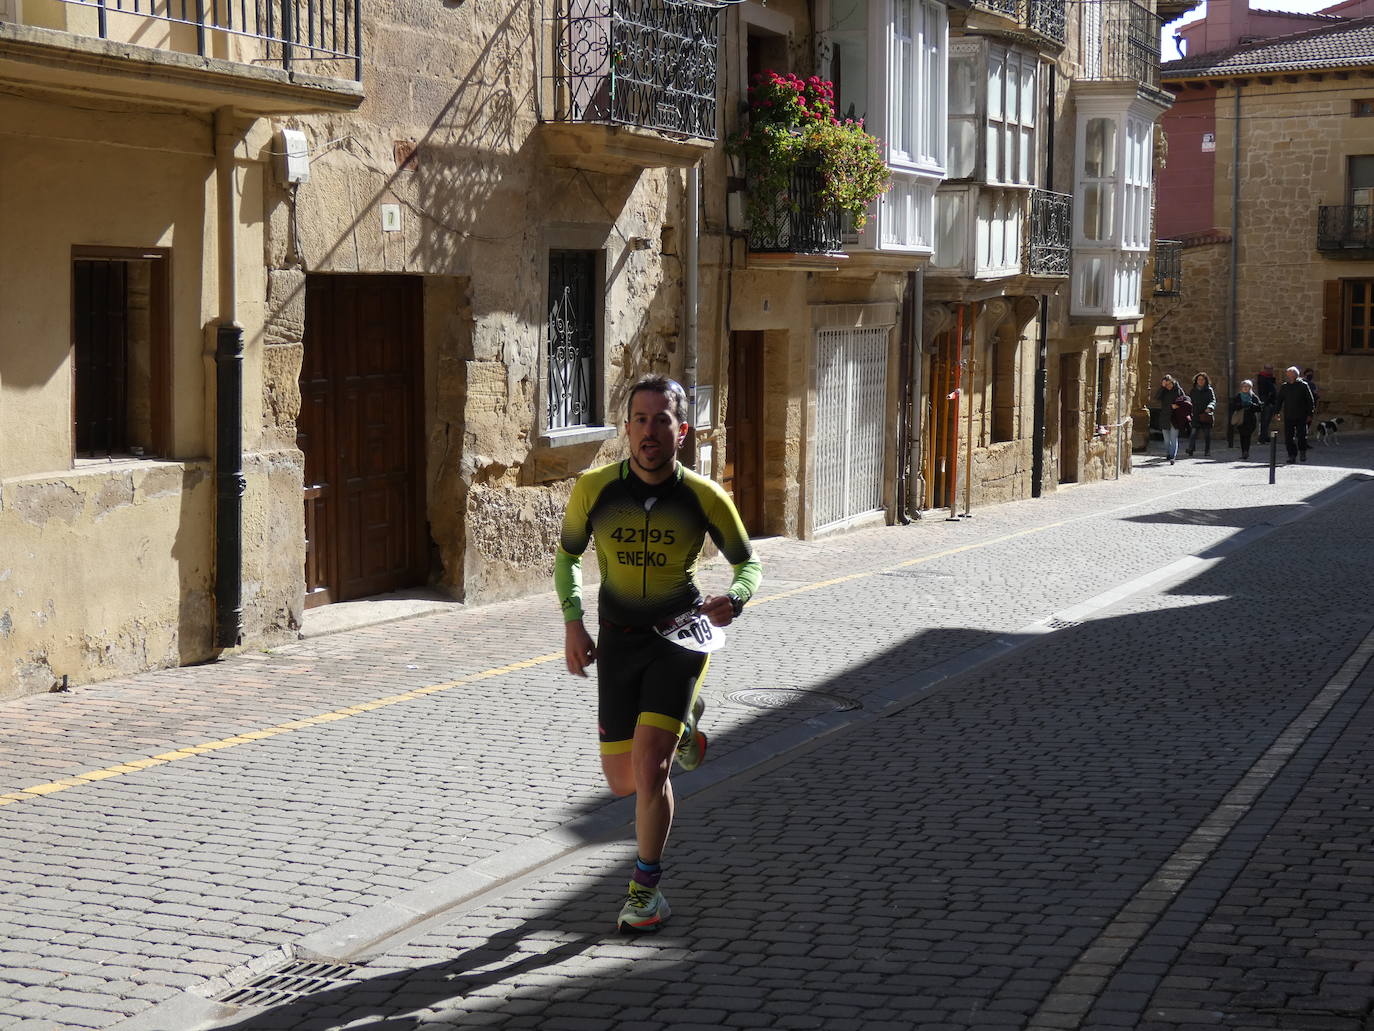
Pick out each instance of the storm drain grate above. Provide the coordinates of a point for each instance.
(791, 698)
(293, 981)
(1063, 624)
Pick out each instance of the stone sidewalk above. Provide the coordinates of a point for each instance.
(364, 782)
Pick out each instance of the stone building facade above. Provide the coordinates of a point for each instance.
(1303, 254)
(379, 302)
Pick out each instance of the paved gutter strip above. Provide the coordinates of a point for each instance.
(1072, 997)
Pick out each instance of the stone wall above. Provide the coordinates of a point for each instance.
(1297, 139)
(1189, 332)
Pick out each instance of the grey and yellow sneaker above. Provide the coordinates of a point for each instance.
(691, 748)
(645, 910)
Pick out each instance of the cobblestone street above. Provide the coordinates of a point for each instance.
(1098, 760)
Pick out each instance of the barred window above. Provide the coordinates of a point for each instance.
(572, 339)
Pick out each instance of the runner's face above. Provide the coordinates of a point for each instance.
(654, 432)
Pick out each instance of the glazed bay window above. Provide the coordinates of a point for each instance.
(888, 60)
(1115, 139)
(993, 103)
(1011, 117)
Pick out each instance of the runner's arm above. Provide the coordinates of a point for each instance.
(727, 530)
(567, 581)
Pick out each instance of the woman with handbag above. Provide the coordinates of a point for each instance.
(1245, 414)
(1176, 409)
(1204, 400)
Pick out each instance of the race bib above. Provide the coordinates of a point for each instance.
(693, 631)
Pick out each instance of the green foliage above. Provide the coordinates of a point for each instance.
(792, 122)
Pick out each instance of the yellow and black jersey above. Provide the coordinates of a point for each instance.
(648, 537)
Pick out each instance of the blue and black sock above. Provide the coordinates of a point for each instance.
(647, 874)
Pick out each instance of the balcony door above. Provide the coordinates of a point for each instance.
(744, 429)
(360, 429)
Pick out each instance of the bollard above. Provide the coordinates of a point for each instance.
(1273, 455)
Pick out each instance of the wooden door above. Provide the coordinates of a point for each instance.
(360, 429)
(744, 429)
(1070, 415)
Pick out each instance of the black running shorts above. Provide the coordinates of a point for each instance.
(641, 678)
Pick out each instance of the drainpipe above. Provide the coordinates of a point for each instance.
(229, 480)
(1232, 313)
(1042, 352)
(968, 442)
(904, 362)
(952, 431)
(689, 299)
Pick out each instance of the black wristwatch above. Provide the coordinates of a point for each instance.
(737, 604)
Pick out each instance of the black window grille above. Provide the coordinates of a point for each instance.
(1051, 239)
(572, 339)
(1168, 268)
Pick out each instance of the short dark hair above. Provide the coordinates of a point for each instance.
(670, 388)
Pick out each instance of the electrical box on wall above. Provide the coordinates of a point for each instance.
(294, 158)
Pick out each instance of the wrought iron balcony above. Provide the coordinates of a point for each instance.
(319, 36)
(1006, 8)
(1119, 40)
(1046, 19)
(1345, 228)
(1168, 268)
(650, 64)
(792, 223)
(1049, 249)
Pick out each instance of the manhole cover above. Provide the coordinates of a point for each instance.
(791, 698)
(289, 983)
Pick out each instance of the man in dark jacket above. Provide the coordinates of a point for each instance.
(1268, 390)
(1295, 403)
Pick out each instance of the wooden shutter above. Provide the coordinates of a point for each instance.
(1331, 316)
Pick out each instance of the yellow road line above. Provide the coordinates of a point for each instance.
(250, 736)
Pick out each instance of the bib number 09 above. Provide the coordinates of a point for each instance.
(693, 631)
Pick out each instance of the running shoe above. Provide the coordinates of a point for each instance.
(645, 910)
(691, 748)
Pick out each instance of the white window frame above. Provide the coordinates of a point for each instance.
(1108, 270)
(1013, 83)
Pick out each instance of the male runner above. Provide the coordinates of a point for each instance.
(650, 516)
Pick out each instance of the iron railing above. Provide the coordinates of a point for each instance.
(1345, 227)
(1168, 268)
(1007, 8)
(1046, 18)
(647, 63)
(793, 223)
(1119, 40)
(272, 32)
(1043, 17)
(1049, 247)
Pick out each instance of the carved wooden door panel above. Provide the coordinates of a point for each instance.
(361, 428)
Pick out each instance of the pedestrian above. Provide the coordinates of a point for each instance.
(1244, 415)
(1176, 409)
(650, 516)
(1295, 404)
(1267, 389)
(1310, 375)
(1204, 402)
